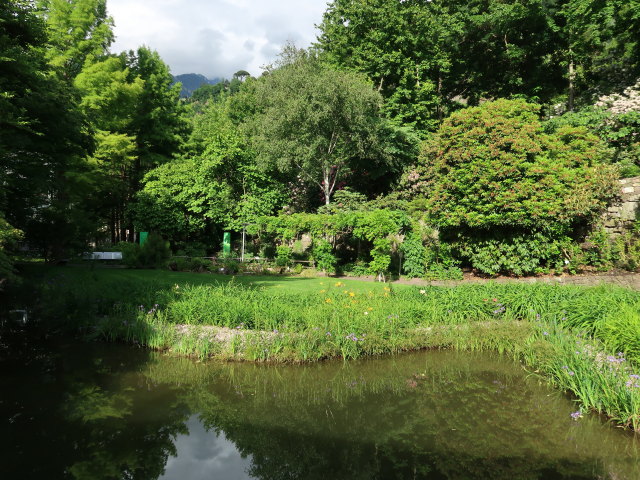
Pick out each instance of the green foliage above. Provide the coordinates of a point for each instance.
(424, 56)
(189, 264)
(216, 184)
(228, 265)
(323, 255)
(438, 271)
(8, 237)
(509, 195)
(155, 253)
(78, 30)
(626, 251)
(616, 121)
(42, 140)
(598, 251)
(217, 92)
(441, 264)
(283, 256)
(380, 257)
(316, 121)
(414, 256)
(523, 253)
(493, 166)
(366, 225)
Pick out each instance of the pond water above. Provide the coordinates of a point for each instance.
(93, 411)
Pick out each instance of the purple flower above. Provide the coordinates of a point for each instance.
(576, 415)
(571, 373)
(545, 333)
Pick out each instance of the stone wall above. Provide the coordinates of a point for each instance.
(622, 214)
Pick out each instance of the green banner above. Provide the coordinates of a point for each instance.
(226, 243)
(143, 237)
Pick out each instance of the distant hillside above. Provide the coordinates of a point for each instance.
(191, 81)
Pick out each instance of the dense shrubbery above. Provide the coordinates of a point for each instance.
(8, 236)
(155, 253)
(508, 196)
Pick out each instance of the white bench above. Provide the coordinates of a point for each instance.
(103, 256)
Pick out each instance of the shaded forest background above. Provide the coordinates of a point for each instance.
(499, 125)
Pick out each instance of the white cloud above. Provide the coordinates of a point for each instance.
(215, 37)
(203, 455)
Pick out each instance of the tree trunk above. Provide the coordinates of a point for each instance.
(326, 186)
(572, 75)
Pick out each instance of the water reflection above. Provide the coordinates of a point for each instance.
(107, 411)
(203, 455)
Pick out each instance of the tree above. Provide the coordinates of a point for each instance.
(602, 47)
(213, 186)
(426, 58)
(159, 122)
(8, 236)
(108, 96)
(42, 137)
(78, 30)
(314, 120)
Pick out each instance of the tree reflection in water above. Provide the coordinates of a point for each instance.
(97, 411)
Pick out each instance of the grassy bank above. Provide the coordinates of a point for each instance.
(585, 340)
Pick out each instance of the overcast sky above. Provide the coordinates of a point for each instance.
(215, 37)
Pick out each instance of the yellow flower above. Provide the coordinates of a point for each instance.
(344, 291)
(351, 294)
(370, 309)
(323, 291)
(339, 284)
(328, 300)
(386, 294)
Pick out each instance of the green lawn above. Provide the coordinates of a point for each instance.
(292, 284)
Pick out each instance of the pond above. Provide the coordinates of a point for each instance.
(93, 411)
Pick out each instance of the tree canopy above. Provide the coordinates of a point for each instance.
(315, 120)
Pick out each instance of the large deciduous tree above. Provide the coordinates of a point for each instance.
(315, 120)
(426, 57)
